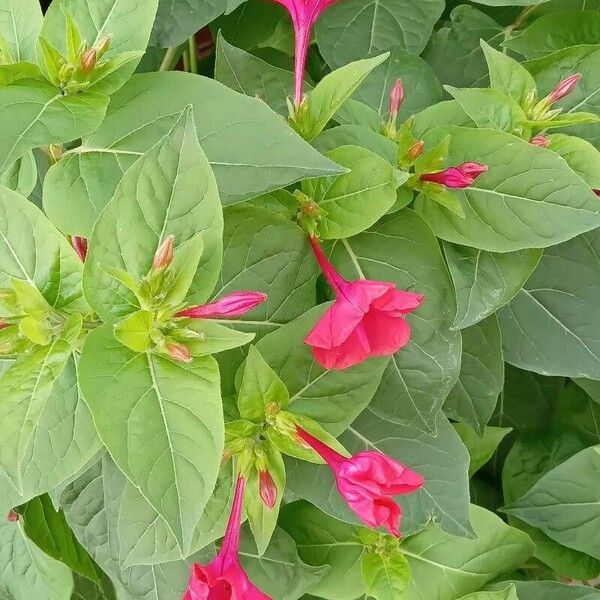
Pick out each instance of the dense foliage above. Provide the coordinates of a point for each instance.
(299, 300)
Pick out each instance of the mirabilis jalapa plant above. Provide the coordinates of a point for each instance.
(323, 322)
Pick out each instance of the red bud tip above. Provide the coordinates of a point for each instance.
(396, 99)
(164, 254)
(80, 244)
(564, 88)
(268, 489)
(88, 60)
(540, 140)
(12, 516)
(597, 192)
(461, 176)
(232, 305)
(416, 150)
(179, 352)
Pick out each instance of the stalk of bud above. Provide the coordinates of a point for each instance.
(164, 254)
(268, 489)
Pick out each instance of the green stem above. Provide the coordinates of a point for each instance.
(193, 55)
(167, 61)
(186, 60)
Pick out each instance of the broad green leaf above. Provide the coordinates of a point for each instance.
(401, 249)
(177, 20)
(473, 399)
(20, 25)
(355, 200)
(421, 85)
(354, 29)
(215, 337)
(332, 91)
(322, 540)
(548, 71)
(575, 409)
(34, 112)
(591, 387)
(135, 398)
(26, 571)
(127, 23)
(553, 32)
(441, 459)
(446, 567)
(24, 391)
(552, 590)
(250, 155)
(460, 40)
(21, 176)
(47, 528)
(386, 577)
(486, 281)
(357, 135)
(565, 502)
(508, 594)
(491, 109)
(481, 448)
(580, 155)
(333, 398)
(183, 202)
(542, 331)
(514, 205)
(357, 113)
(85, 589)
(449, 112)
(134, 330)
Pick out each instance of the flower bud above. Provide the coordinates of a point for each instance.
(179, 352)
(80, 244)
(231, 305)
(461, 176)
(564, 88)
(396, 99)
(164, 254)
(103, 45)
(540, 140)
(268, 489)
(88, 60)
(416, 150)
(12, 516)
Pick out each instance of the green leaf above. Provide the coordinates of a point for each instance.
(401, 249)
(441, 459)
(552, 590)
(177, 406)
(565, 502)
(26, 571)
(322, 540)
(20, 26)
(355, 29)
(332, 91)
(386, 577)
(553, 32)
(128, 25)
(508, 594)
(460, 40)
(260, 386)
(134, 330)
(473, 399)
(575, 409)
(444, 567)
(541, 332)
(144, 110)
(183, 203)
(333, 398)
(580, 155)
(85, 589)
(442, 114)
(215, 337)
(34, 112)
(514, 205)
(486, 281)
(353, 201)
(48, 529)
(481, 448)
(357, 135)
(21, 176)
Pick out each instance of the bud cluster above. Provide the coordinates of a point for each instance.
(541, 110)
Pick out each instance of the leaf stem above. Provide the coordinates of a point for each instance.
(167, 61)
(193, 55)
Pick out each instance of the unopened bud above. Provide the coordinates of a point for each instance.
(232, 305)
(540, 140)
(416, 150)
(268, 489)
(396, 99)
(310, 208)
(103, 45)
(80, 244)
(164, 254)
(179, 352)
(12, 516)
(65, 73)
(88, 60)
(461, 176)
(564, 88)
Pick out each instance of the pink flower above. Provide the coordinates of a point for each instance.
(367, 319)
(367, 481)
(268, 489)
(231, 305)
(396, 99)
(564, 88)
(164, 254)
(304, 15)
(224, 578)
(540, 140)
(80, 244)
(179, 352)
(461, 176)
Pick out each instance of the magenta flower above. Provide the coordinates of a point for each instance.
(164, 254)
(268, 489)
(367, 319)
(224, 578)
(231, 305)
(564, 88)
(80, 244)
(367, 481)
(540, 140)
(396, 99)
(304, 15)
(461, 176)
